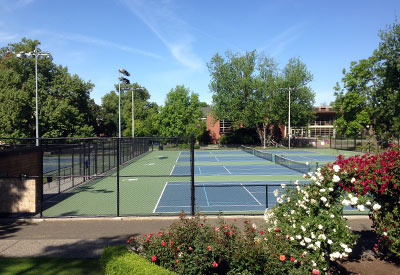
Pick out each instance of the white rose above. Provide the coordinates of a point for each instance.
(298, 237)
(346, 202)
(302, 243)
(335, 178)
(330, 242)
(276, 192)
(353, 180)
(283, 185)
(348, 250)
(336, 168)
(330, 189)
(318, 243)
(322, 190)
(307, 240)
(332, 216)
(376, 207)
(354, 201)
(368, 203)
(360, 207)
(279, 200)
(320, 226)
(323, 199)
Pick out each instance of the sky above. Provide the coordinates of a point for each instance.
(164, 43)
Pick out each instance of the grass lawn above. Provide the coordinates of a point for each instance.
(47, 266)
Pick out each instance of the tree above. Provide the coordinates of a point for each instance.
(144, 112)
(249, 90)
(64, 100)
(181, 114)
(371, 94)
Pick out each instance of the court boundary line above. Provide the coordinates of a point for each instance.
(251, 194)
(227, 170)
(176, 162)
(159, 199)
(205, 193)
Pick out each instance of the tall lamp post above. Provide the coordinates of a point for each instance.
(289, 129)
(133, 110)
(36, 53)
(124, 81)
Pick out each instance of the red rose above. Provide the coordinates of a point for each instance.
(214, 264)
(154, 258)
(315, 271)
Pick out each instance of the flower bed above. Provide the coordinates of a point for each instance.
(303, 234)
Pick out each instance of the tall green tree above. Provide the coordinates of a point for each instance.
(181, 114)
(145, 112)
(371, 94)
(250, 90)
(64, 100)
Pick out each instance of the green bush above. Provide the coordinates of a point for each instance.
(118, 260)
(240, 136)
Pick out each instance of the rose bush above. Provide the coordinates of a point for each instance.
(373, 182)
(310, 218)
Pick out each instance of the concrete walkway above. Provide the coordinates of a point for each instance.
(86, 238)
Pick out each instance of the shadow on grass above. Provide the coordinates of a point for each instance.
(47, 266)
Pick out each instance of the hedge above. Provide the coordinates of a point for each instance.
(118, 260)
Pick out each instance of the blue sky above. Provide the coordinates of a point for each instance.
(166, 43)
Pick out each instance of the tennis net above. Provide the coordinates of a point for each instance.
(257, 153)
(291, 164)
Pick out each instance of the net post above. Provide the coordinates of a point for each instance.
(266, 196)
(118, 152)
(192, 173)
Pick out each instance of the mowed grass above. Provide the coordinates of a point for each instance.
(49, 266)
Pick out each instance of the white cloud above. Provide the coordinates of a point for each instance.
(93, 40)
(10, 5)
(160, 18)
(279, 43)
(7, 37)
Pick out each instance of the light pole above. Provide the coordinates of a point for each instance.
(133, 110)
(289, 129)
(36, 53)
(124, 81)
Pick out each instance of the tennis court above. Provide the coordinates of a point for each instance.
(225, 196)
(159, 183)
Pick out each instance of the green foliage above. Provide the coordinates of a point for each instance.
(49, 266)
(145, 112)
(373, 182)
(65, 108)
(181, 114)
(117, 260)
(250, 90)
(371, 94)
(310, 218)
(192, 246)
(240, 136)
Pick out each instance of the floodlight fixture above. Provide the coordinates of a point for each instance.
(37, 54)
(124, 72)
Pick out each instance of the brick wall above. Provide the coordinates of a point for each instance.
(213, 127)
(20, 194)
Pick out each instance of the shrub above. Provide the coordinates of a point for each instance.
(118, 260)
(191, 246)
(240, 136)
(310, 219)
(373, 182)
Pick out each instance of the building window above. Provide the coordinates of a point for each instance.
(225, 126)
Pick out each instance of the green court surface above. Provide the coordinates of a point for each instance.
(143, 181)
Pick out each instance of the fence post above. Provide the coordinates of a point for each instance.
(73, 164)
(95, 157)
(41, 180)
(58, 171)
(118, 152)
(192, 172)
(266, 196)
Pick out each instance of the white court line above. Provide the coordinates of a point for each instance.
(199, 169)
(176, 162)
(227, 170)
(214, 205)
(251, 194)
(217, 158)
(154, 210)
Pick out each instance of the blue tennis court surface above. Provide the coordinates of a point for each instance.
(218, 196)
(286, 152)
(216, 152)
(216, 158)
(219, 170)
(311, 158)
